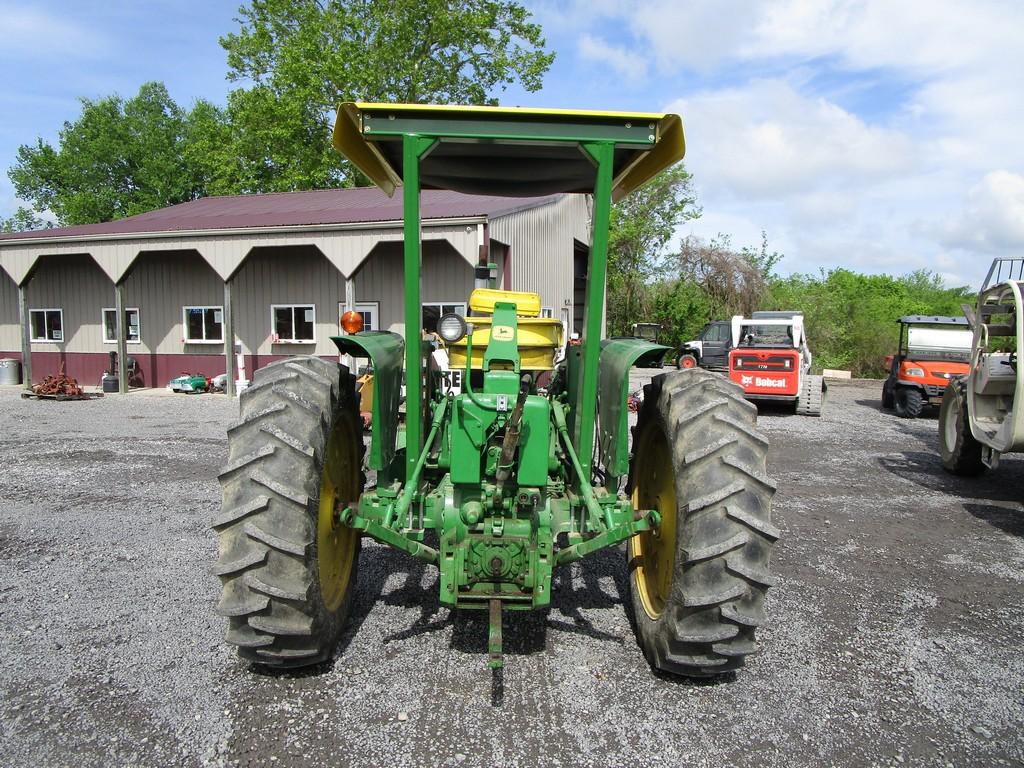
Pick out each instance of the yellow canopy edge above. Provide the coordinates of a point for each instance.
(363, 150)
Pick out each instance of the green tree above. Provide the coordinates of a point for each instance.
(23, 220)
(851, 318)
(640, 230)
(297, 59)
(119, 158)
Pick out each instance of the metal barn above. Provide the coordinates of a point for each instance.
(270, 271)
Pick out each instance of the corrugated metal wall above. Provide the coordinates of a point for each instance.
(76, 285)
(160, 285)
(446, 277)
(161, 282)
(296, 275)
(10, 331)
(541, 242)
(345, 248)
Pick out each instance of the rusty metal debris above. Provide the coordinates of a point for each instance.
(61, 384)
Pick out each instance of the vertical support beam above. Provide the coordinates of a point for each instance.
(350, 294)
(122, 339)
(26, 334)
(413, 147)
(229, 341)
(350, 305)
(585, 398)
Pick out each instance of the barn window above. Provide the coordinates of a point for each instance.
(432, 312)
(293, 323)
(47, 324)
(131, 323)
(203, 325)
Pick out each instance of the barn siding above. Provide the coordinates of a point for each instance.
(170, 273)
(76, 285)
(10, 328)
(445, 277)
(541, 247)
(296, 275)
(160, 285)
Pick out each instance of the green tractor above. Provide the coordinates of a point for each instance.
(499, 484)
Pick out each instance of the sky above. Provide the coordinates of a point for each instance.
(877, 136)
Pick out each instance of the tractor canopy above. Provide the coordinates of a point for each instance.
(507, 151)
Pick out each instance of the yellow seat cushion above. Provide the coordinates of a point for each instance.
(482, 301)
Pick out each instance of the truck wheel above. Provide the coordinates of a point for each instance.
(287, 566)
(697, 583)
(909, 402)
(887, 396)
(961, 453)
(685, 362)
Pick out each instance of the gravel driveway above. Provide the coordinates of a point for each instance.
(894, 638)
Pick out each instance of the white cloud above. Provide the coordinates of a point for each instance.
(626, 63)
(33, 33)
(766, 140)
(698, 34)
(992, 219)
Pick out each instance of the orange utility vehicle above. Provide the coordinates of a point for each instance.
(771, 361)
(932, 350)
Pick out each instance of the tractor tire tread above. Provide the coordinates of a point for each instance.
(714, 550)
(724, 530)
(266, 531)
(228, 516)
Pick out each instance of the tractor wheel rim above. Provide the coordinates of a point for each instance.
(654, 552)
(687, 362)
(952, 417)
(335, 541)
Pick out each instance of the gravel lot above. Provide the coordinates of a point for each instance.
(894, 637)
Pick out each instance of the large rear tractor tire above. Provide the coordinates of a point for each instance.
(287, 566)
(909, 402)
(961, 453)
(697, 583)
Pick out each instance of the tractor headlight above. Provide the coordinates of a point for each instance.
(918, 372)
(451, 327)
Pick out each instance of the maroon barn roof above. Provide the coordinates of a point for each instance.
(293, 209)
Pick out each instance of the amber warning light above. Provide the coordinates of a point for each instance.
(352, 322)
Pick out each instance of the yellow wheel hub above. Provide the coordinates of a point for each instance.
(339, 486)
(653, 553)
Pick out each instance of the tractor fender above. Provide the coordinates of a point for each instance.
(618, 356)
(386, 351)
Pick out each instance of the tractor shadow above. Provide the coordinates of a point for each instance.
(930, 413)
(874, 405)
(1006, 519)
(578, 587)
(925, 469)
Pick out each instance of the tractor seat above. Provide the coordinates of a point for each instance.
(482, 301)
